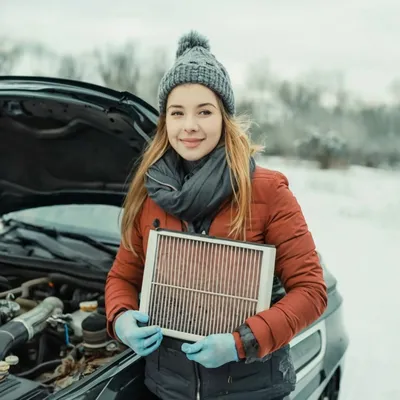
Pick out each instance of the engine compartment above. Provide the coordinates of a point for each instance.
(53, 330)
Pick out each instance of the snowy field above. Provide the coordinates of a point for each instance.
(354, 216)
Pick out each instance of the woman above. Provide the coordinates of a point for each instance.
(184, 183)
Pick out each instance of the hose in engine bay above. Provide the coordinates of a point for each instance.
(23, 290)
(76, 282)
(26, 326)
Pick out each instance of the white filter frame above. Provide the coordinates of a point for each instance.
(267, 270)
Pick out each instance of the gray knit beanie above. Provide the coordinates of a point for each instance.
(195, 64)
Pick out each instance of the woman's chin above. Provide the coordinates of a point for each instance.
(191, 154)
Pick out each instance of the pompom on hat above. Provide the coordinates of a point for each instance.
(195, 64)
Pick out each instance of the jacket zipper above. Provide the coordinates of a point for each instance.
(162, 183)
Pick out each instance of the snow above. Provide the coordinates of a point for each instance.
(354, 216)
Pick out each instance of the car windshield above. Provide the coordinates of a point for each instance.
(97, 220)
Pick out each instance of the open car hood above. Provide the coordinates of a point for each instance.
(63, 141)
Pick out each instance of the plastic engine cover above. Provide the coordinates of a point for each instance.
(14, 388)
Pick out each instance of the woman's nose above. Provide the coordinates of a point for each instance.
(190, 124)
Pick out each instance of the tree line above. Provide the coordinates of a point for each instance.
(315, 118)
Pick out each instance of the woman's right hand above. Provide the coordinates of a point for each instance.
(143, 340)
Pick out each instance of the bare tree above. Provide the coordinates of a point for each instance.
(394, 90)
(9, 56)
(154, 69)
(70, 67)
(119, 68)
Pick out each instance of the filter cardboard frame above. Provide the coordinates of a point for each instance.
(265, 282)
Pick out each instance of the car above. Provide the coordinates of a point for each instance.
(68, 150)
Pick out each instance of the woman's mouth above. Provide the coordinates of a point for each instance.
(191, 143)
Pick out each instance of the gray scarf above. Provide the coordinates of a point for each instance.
(194, 198)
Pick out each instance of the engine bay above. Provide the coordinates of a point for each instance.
(53, 329)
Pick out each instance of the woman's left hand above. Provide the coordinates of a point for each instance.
(212, 351)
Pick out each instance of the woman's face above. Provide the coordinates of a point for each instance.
(194, 121)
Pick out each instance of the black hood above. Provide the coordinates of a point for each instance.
(64, 141)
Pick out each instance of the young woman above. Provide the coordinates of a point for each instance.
(199, 175)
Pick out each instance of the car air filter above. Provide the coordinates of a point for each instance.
(196, 285)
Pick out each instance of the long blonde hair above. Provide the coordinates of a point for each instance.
(238, 150)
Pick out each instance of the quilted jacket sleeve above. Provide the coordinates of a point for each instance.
(124, 280)
(298, 268)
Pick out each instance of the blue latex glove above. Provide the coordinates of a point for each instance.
(212, 351)
(143, 340)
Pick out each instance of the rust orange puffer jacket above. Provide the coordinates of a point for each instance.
(277, 219)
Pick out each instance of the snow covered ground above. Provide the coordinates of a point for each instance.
(354, 216)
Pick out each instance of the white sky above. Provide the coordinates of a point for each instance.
(357, 37)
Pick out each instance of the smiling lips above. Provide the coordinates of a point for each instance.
(191, 142)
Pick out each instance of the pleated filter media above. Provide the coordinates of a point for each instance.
(196, 285)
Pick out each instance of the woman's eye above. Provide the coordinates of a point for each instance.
(205, 112)
(174, 113)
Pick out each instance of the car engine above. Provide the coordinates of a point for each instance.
(53, 329)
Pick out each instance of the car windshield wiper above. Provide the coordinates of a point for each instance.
(49, 240)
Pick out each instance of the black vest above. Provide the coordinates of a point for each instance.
(171, 376)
